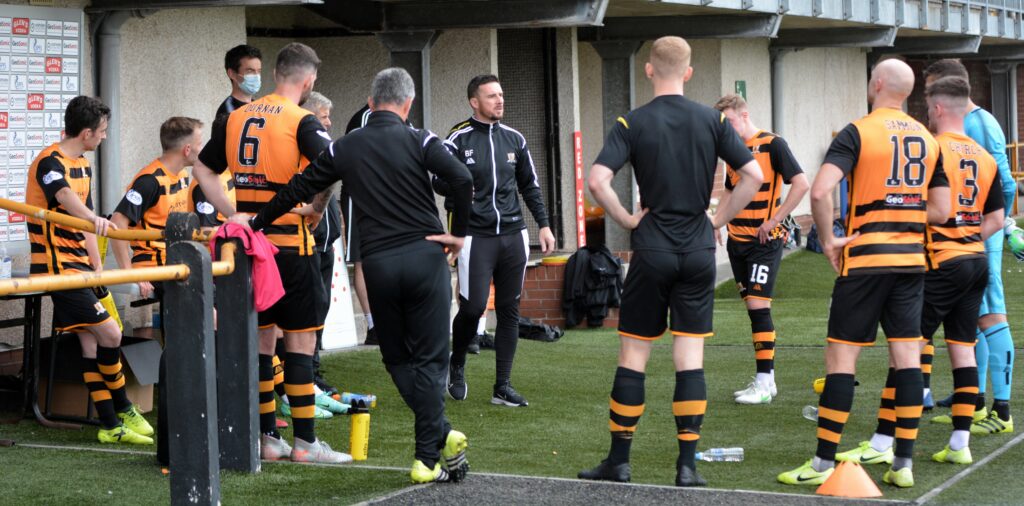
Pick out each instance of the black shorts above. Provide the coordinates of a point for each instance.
(952, 298)
(860, 302)
(755, 266)
(659, 282)
(75, 309)
(352, 253)
(304, 305)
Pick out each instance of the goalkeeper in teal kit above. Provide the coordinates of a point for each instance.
(994, 350)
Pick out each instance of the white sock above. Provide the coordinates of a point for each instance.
(927, 391)
(481, 326)
(764, 379)
(959, 440)
(773, 376)
(316, 390)
(820, 465)
(369, 321)
(880, 442)
(284, 399)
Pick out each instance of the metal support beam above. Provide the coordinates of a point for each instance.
(933, 45)
(417, 15)
(237, 367)
(901, 8)
(191, 378)
(923, 15)
(617, 93)
(130, 5)
(691, 27)
(411, 51)
(1003, 52)
(836, 37)
(944, 15)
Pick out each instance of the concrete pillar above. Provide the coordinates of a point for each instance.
(617, 90)
(411, 51)
(568, 85)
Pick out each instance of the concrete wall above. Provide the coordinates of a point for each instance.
(172, 65)
(457, 57)
(824, 90)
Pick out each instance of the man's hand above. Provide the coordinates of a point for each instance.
(103, 225)
(547, 240)
(145, 289)
(834, 250)
(765, 230)
(452, 244)
(633, 220)
(240, 219)
(311, 215)
(717, 232)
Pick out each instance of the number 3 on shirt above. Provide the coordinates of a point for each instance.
(913, 154)
(249, 148)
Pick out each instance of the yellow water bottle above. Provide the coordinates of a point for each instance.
(359, 435)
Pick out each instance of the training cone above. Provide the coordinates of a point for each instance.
(849, 480)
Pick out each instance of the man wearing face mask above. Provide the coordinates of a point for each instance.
(243, 64)
(264, 144)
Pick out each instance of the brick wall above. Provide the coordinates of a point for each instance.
(541, 300)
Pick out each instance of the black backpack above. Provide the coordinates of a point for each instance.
(528, 329)
(838, 230)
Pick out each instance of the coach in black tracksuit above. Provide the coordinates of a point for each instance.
(498, 244)
(386, 167)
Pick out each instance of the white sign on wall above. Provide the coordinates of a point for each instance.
(40, 50)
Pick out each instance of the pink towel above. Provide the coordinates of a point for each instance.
(266, 280)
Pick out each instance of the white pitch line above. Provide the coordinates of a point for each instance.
(933, 493)
(395, 494)
(83, 449)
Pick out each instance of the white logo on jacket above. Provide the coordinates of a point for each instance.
(204, 208)
(512, 158)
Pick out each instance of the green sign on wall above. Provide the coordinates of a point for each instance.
(741, 89)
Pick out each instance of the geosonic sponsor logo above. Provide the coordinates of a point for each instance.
(968, 218)
(903, 200)
(251, 180)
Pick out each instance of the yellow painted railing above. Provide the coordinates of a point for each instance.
(84, 225)
(53, 283)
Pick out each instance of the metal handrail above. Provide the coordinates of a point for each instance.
(52, 283)
(85, 226)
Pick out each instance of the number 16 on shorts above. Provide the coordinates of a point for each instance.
(759, 274)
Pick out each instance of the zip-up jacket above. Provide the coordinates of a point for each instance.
(386, 167)
(502, 168)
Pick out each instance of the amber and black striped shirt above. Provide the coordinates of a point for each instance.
(57, 249)
(890, 160)
(778, 165)
(975, 190)
(151, 197)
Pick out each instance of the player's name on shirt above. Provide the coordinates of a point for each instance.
(259, 108)
(904, 125)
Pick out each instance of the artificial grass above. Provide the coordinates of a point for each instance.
(565, 427)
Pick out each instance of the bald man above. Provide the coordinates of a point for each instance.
(674, 145)
(896, 191)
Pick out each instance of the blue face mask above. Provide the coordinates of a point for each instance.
(250, 83)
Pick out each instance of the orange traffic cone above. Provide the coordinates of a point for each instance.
(849, 480)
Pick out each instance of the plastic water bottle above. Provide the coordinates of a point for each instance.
(5, 263)
(359, 432)
(721, 455)
(811, 413)
(368, 400)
